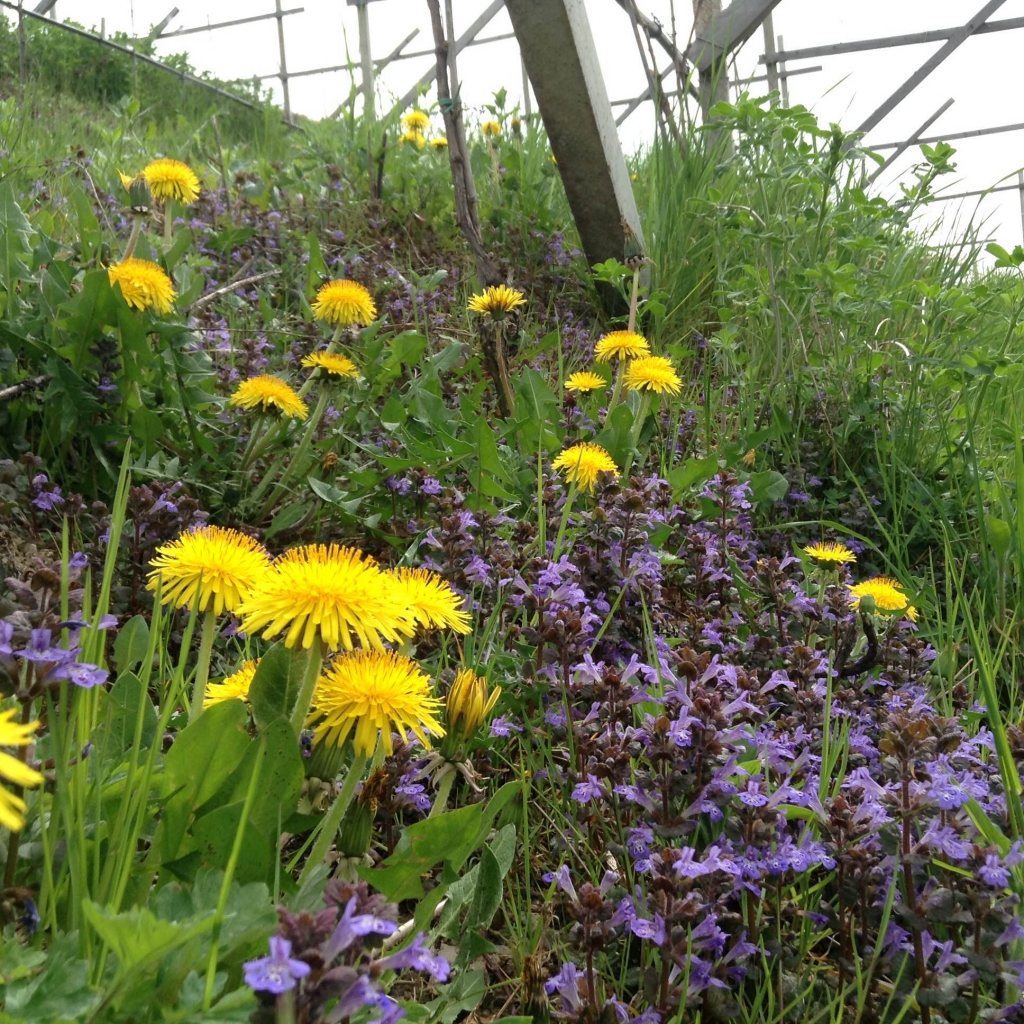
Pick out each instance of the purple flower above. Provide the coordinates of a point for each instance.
(82, 674)
(992, 872)
(562, 880)
(275, 973)
(40, 651)
(584, 792)
(503, 727)
(567, 984)
(419, 958)
(351, 926)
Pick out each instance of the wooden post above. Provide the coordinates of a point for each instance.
(22, 49)
(1020, 193)
(783, 77)
(768, 30)
(558, 47)
(527, 112)
(369, 103)
(103, 28)
(713, 79)
(283, 74)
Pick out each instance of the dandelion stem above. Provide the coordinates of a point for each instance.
(168, 224)
(203, 667)
(332, 820)
(632, 301)
(133, 239)
(441, 800)
(305, 697)
(616, 391)
(565, 520)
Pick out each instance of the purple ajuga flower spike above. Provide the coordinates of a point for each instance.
(992, 872)
(352, 926)
(652, 930)
(40, 651)
(83, 674)
(501, 726)
(567, 984)
(562, 880)
(584, 792)
(275, 973)
(419, 958)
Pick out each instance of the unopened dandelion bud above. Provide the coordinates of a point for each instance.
(470, 701)
(140, 197)
(357, 825)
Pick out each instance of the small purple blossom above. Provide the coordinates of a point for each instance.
(278, 972)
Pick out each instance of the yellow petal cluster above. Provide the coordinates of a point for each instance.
(433, 603)
(267, 392)
(468, 705)
(416, 121)
(370, 694)
(621, 345)
(583, 462)
(417, 139)
(144, 284)
(344, 302)
(652, 373)
(171, 179)
(491, 129)
(496, 302)
(14, 770)
(329, 593)
(585, 381)
(222, 565)
(888, 595)
(439, 143)
(332, 362)
(232, 687)
(830, 552)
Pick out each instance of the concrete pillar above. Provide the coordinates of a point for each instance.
(558, 51)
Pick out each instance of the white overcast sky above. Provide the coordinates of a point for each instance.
(982, 76)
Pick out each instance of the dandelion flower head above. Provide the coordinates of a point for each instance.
(13, 770)
(496, 302)
(417, 139)
(222, 565)
(333, 363)
(267, 392)
(144, 284)
(433, 603)
(344, 302)
(233, 687)
(491, 129)
(585, 380)
(439, 143)
(830, 552)
(583, 462)
(328, 592)
(370, 694)
(171, 179)
(469, 703)
(888, 594)
(652, 373)
(621, 345)
(416, 121)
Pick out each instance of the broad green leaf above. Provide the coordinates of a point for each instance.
(276, 684)
(90, 237)
(15, 239)
(119, 715)
(131, 644)
(207, 751)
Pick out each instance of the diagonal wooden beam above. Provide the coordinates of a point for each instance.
(728, 29)
(558, 49)
(956, 38)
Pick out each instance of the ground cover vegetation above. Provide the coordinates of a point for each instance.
(377, 644)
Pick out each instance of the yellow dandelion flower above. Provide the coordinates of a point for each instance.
(223, 565)
(171, 179)
(344, 302)
(491, 129)
(328, 592)
(585, 381)
(439, 143)
(13, 770)
(496, 302)
(232, 687)
(468, 705)
(374, 693)
(888, 595)
(433, 603)
(830, 552)
(416, 121)
(267, 392)
(417, 139)
(750, 458)
(621, 345)
(332, 362)
(144, 285)
(652, 373)
(583, 462)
